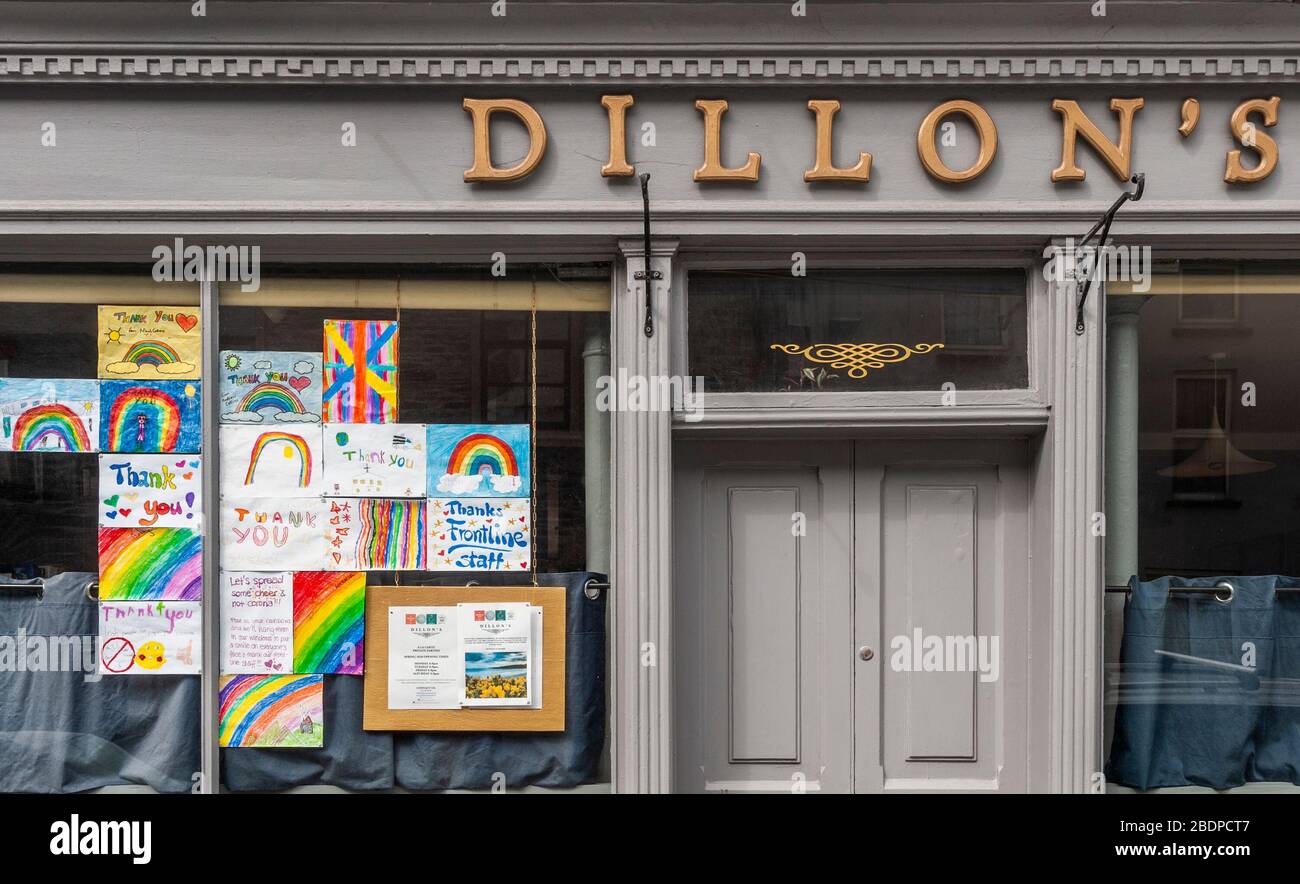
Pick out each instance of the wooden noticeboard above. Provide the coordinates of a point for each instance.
(378, 717)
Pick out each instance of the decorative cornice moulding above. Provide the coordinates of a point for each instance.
(677, 66)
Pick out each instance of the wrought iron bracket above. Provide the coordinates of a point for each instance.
(1101, 232)
(647, 275)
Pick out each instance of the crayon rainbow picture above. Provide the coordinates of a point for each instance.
(149, 342)
(290, 445)
(479, 460)
(150, 563)
(45, 414)
(360, 372)
(141, 417)
(270, 387)
(272, 711)
(329, 622)
(258, 461)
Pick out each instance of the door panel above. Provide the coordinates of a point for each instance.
(762, 596)
(941, 706)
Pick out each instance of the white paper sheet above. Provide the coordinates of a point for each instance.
(496, 645)
(424, 664)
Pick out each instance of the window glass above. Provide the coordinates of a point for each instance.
(1203, 460)
(100, 628)
(858, 330)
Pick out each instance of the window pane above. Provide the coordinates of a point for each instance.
(858, 330)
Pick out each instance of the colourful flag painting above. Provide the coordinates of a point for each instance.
(375, 460)
(150, 638)
(360, 372)
(272, 534)
(48, 414)
(270, 387)
(479, 534)
(149, 342)
(375, 534)
(150, 490)
(143, 417)
(270, 461)
(150, 563)
(329, 610)
(272, 711)
(479, 460)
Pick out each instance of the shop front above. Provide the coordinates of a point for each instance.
(816, 448)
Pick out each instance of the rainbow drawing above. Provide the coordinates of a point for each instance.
(360, 372)
(150, 352)
(273, 396)
(150, 563)
(149, 417)
(389, 534)
(478, 460)
(53, 426)
(329, 622)
(296, 444)
(272, 711)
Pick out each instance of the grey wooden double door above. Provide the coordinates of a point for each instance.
(850, 616)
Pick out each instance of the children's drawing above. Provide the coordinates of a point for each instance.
(149, 342)
(375, 460)
(272, 534)
(48, 414)
(150, 638)
(479, 460)
(270, 387)
(272, 711)
(329, 622)
(375, 534)
(150, 490)
(149, 416)
(150, 563)
(267, 462)
(479, 534)
(360, 372)
(257, 622)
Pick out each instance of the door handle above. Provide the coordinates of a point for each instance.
(865, 653)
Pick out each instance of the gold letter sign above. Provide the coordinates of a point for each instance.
(988, 135)
(1249, 135)
(713, 170)
(1075, 122)
(616, 108)
(824, 168)
(481, 111)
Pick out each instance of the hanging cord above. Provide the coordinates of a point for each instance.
(532, 427)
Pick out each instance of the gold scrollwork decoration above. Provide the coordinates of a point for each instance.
(856, 358)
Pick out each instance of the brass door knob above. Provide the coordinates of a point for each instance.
(865, 653)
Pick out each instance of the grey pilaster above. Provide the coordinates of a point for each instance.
(641, 598)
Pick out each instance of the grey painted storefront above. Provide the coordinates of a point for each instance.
(226, 128)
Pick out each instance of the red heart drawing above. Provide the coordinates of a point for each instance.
(442, 536)
(299, 384)
(186, 321)
(125, 512)
(523, 564)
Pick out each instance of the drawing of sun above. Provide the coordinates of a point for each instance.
(233, 361)
(190, 390)
(114, 335)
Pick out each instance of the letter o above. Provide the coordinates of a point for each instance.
(988, 135)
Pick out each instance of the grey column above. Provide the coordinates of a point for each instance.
(1121, 505)
(595, 365)
(641, 597)
(210, 680)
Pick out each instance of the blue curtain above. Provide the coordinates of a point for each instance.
(63, 729)
(1189, 722)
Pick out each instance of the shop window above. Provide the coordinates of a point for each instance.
(1201, 643)
(100, 627)
(858, 331)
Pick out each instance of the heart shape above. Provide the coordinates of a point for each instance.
(126, 511)
(299, 384)
(111, 501)
(187, 476)
(523, 564)
(186, 321)
(180, 463)
(442, 536)
(112, 514)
